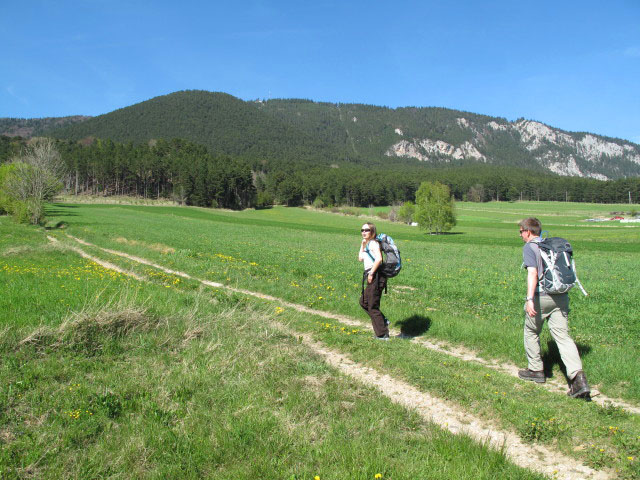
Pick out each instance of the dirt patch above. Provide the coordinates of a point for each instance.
(6, 436)
(158, 247)
(405, 287)
(22, 249)
(315, 384)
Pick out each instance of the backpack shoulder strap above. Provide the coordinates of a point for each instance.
(366, 249)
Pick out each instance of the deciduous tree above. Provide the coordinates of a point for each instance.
(434, 207)
(34, 180)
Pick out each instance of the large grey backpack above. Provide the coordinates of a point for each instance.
(391, 264)
(559, 268)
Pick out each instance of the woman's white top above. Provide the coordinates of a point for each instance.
(374, 249)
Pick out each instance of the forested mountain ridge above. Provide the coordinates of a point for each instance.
(32, 127)
(294, 130)
(224, 124)
(442, 137)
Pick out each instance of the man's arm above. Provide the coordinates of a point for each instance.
(532, 283)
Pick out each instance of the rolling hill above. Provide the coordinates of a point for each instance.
(292, 130)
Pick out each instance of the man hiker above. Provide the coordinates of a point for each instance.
(540, 306)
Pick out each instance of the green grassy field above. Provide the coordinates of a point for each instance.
(465, 288)
(108, 376)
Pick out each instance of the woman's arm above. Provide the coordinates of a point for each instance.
(361, 253)
(377, 257)
(377, 260)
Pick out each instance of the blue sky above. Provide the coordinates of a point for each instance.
(574, 65)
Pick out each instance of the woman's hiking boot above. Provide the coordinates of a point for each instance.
(532, 375)
(579, 388)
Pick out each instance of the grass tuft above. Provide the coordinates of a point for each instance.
(93, 327)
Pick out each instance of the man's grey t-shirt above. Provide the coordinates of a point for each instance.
(531, 258)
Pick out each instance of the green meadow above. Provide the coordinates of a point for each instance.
(107, 376)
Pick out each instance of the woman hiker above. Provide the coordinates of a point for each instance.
(371, 255)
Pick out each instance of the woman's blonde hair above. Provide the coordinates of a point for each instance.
(373, 229)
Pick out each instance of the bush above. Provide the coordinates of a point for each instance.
(476, 193)
(32, 180)
(264, 200)
(350, 211)
(406, 212)
(5, 200)
(393, 214)
(29, 211)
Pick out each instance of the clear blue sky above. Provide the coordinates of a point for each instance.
(571, 64)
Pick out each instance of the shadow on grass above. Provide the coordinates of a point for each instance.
(58, 226)
(61, 210)
(551, 357)
(414, 326)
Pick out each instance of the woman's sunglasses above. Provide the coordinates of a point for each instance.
(365, 229)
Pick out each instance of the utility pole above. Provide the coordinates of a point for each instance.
(629, 197)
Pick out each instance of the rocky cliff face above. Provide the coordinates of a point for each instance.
(425, 149)
(569, 154)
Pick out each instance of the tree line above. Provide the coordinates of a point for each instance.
(395, 182)
(191, 175)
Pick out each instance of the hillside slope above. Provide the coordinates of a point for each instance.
(440, 136)
(225, 124)
(33, 127)
(292, 130)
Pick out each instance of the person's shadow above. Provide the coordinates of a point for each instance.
(414, 326)
(551, 357)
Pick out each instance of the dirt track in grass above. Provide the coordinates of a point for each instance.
(454, 419)
(456, 351)
(445, 414)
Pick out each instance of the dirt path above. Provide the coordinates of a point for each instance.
(450, 417)
(459, 352)
(444, 414)
(97, 260)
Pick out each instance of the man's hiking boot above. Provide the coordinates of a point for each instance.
(383, 337)
(579, 388)
(532, 376)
